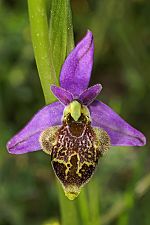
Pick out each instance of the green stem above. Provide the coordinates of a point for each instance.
(41, 45)
(69, 214)
(83, 206)
(94, 196)
(88, 203)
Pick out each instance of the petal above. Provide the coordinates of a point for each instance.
(62, 95)
(89, 95)
(27, 140)
(76, 71)
(120, 132)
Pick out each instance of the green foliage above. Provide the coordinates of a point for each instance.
(60, 32)
(122, 190)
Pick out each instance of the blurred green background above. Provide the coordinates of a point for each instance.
(121, 29)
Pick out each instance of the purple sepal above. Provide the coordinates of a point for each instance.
(62, 95)
(27, 140)
(120, 132)
(89, 95)
(76, 70)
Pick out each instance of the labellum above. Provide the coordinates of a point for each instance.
(75, 148)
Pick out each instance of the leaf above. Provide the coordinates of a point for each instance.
(60, 32)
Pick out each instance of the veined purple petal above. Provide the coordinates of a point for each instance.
(27, 140)
(62, 95)
(76, 70)
(120, 132)
(89, 95)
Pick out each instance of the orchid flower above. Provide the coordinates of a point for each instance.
(77, 129)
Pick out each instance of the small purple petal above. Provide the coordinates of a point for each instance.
(89, 95)
(62, 95)
(27, 140)
(76, 70)
(120, 132)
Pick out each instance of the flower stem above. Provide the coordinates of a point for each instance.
(83, 206)
(88, 203)
(94, 196)
(69, 214)
(41, 45)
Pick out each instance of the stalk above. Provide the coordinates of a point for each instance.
(41, 46)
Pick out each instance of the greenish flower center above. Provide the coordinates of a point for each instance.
(75, 109)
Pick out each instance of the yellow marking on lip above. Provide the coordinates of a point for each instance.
(68, 162)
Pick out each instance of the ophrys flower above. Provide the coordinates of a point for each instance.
(76, 130)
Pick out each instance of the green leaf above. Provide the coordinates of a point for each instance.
(61, 32)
